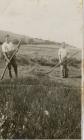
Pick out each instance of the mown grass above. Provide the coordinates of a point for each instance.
(23, 110)
(45, 61)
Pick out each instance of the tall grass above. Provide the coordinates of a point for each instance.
(23, 111)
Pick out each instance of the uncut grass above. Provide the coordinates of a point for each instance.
(22, 112)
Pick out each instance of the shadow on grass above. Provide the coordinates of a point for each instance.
(79, 76)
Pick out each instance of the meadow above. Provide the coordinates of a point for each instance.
(39, 105)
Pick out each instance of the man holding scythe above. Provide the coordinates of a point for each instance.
(62, 54)
(8, 50)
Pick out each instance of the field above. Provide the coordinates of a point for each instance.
(39, 105)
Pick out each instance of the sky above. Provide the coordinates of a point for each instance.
(56, 20)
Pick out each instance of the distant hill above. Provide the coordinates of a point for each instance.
(29, 40)
(25, 39)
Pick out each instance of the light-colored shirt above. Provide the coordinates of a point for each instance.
(62, 53)
(7, 47)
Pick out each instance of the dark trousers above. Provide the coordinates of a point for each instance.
(64, 68)
(14, 65)
(65, 71)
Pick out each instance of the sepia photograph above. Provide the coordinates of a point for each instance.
(41, 47)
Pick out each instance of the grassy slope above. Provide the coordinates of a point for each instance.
(23, 102)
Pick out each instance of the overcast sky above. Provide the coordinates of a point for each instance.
(57, 20)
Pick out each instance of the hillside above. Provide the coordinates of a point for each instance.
(29, 40)
(26, 39)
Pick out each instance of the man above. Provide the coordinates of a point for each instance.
(7, 50)
(62, 54)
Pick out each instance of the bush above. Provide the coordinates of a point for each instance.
(74, 62)
(50, 61)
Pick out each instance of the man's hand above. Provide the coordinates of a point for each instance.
(6, 58)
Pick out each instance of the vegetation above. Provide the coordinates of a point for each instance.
(35, 110)
(40, 106)
(25, 39)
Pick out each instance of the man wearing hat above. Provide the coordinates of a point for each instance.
(7, 50)
(62, 54)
